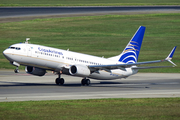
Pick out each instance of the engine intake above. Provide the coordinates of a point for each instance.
(79, 70)
(35, 71)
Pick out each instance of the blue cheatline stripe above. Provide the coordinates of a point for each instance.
(131, 52)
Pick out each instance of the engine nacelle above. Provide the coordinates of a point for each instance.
(35, 71)
(79, 70)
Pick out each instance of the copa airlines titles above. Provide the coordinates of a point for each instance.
(49, 51)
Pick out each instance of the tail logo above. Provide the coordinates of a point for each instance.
(129, 55)
(131, 52)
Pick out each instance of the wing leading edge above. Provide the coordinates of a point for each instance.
(134, 65)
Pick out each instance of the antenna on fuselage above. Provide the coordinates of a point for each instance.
(27, 40)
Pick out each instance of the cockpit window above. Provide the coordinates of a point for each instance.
(17, 48)
(12, 47)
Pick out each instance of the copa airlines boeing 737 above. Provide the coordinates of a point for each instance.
(38, 59)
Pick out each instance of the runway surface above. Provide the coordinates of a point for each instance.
(6, 12)
(11, 14)
(31, 11)
(22, 87)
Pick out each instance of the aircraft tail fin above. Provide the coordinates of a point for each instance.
(131, 52)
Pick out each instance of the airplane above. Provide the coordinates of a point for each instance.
(37, 59)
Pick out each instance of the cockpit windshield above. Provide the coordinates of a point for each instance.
(17, 48)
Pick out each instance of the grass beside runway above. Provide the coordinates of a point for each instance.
(99, 35)
(99, 109)
(87, 2)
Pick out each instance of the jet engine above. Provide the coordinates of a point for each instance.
(35, 71)
(79, 70)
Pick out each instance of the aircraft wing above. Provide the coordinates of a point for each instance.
(134, 65)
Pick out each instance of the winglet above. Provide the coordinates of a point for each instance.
(171, 55)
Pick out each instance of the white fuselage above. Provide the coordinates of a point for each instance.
(57, 59)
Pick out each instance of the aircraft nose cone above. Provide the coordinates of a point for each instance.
(6, 55)
(4, 52)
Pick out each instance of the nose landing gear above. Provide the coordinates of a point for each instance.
(16, 70)
(17, 65)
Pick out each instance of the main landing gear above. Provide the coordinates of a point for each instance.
(59, 80)
(85, 82)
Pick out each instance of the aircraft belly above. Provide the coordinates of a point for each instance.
(103, 75)
(113, 74)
